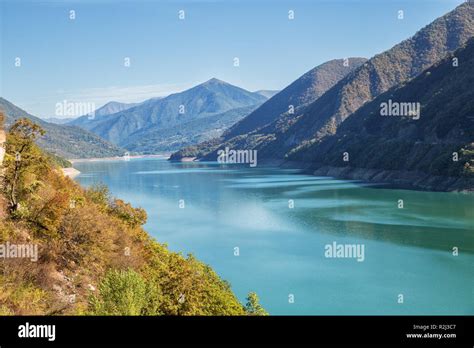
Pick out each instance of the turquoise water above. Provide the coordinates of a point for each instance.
(407, 251)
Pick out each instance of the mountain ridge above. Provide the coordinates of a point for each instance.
(385, 70)
(301, 92)
(323, 116)
(63, 140)
(210, 98)
(304, 90)
(433, 150)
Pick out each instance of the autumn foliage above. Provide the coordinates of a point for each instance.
(94, 256)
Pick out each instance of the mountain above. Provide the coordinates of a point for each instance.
(149, 141)
(399, 64)
(414, 151)
(154, 116)
(267, 93)
(388, 69)
(301, 92)
(56, 120)
(298, 94)
(63, 140)
(107, 109)
(113, 107)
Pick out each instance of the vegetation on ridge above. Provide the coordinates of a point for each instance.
(438, 142)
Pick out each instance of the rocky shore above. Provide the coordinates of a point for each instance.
(400, 179)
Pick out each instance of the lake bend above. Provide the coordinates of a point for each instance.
(306, 245)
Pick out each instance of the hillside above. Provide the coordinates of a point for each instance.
(397, 65)
(298, 94)
(145, 120)
(382, 72)
(88, 254)
(63, 140)
(301, 92)
(405, 150)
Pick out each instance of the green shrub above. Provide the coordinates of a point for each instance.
(253, 306)
(120, 293)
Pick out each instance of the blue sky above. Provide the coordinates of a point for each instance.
(82, 60)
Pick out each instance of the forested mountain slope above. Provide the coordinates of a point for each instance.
(433, 149)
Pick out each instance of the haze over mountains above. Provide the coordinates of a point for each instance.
(107, 109)
(113, 107)
(58, 120)
(280, 137)
(63, 140)
(145, 126)
(268, 93)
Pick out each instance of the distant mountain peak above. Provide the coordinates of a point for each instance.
(112, 102)
(113, 107)
(145, 126)
(215, 80)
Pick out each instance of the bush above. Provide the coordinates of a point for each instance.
(120, 293)
(253, 306)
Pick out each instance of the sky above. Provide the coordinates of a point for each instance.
(83, 59)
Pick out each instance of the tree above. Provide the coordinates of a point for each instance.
(133, 217)
(22, 157)
(253, 306)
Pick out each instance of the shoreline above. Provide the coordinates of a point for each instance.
(413, 181)
(115, 158)
(70, 172)
(399, 179)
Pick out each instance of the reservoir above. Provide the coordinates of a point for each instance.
(267, 230)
